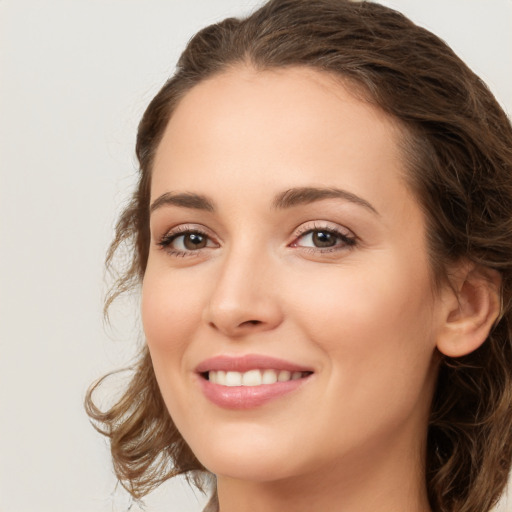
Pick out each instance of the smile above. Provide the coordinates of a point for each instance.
(252, 377)
(245, 382)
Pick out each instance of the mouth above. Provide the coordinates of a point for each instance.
(255, 377)
(249, 381)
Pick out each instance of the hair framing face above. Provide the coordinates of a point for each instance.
(458, 145)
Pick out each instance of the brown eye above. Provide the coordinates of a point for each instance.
(186, 242)
(193, 241)
(324, 239)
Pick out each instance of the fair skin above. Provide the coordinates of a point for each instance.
(336, 283)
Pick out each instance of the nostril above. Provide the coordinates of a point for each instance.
(246, 323)
(251, 322)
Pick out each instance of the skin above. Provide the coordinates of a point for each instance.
(364, 315)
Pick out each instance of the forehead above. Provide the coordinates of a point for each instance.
(275, 127)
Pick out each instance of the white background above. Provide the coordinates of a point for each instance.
(75, 76)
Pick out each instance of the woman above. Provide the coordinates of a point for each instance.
(322, 230)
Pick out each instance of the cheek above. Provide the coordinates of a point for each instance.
(170, 314)
(372, 319)
(375, 330)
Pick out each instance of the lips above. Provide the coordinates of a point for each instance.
(249, 381)
(248, 362)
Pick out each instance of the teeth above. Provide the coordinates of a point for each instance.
(284, 376)
(233, 379)
(252, 377)
(269, 377)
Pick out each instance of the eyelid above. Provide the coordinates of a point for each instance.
(318, 225)
(348, 238)
(164, 241)
(187, 228)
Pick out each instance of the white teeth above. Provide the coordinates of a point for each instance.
(233, 379)
(252, 377)
(284, 375)
(269, 377)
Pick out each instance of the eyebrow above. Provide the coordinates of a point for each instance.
(305, 195)
(287, 199)
(185, 200)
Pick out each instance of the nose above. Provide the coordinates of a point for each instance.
(244, 297)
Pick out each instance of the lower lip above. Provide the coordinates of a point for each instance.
(248, 397)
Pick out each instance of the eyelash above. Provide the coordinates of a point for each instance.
(347, 241)
(181, 231)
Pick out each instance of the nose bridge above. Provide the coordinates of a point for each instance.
(243, 297)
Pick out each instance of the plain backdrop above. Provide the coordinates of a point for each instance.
(75, 76)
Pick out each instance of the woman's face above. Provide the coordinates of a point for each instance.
(285, 245)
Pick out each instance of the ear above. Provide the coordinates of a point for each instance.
(471, 303)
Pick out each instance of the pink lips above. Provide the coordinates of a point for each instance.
(248, 362)
(247, 397)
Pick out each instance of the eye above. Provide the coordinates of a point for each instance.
(190, 242)
(185, 241)
(320, 239)
(326, 239)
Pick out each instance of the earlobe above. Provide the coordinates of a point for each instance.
(471, 306)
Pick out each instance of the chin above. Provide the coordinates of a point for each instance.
(250, 457)
(248, 468)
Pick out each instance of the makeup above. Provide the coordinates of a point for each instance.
(249, 381)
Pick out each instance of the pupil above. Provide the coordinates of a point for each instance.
(194, 241)
(323, 239)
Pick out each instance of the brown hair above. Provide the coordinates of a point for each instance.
(459, 150)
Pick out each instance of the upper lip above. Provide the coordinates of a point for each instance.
(248, 362)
